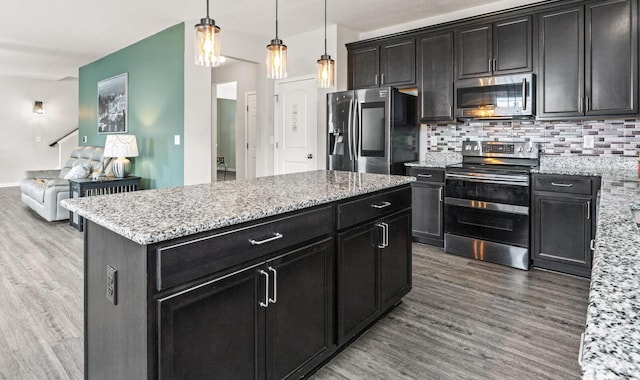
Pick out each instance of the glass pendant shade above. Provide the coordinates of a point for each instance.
(326, 71)
(207, 43)
(276, 60)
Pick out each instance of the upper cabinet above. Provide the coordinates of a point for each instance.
(502, 47)
(435, 79)
(589, 60)
(392, 63)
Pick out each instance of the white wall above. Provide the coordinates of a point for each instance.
(245, 76)
(21, 128)
(197, 137)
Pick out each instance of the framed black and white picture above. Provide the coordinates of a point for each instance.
(112, 105)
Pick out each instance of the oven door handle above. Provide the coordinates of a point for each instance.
(491, 206)
(504, 180)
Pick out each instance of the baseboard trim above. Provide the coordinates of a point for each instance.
(14, 184)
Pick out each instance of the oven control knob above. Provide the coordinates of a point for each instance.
(529, 149)
(519, 149)
(476, 148)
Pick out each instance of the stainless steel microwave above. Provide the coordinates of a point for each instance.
(499, 97)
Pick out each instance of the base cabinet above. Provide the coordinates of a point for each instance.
(374, 266)
(427, 205)
(564, 223)
(271, 320)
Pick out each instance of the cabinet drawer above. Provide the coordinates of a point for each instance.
(371, 207)
(427, 174)
(563, 184)
(191, 259)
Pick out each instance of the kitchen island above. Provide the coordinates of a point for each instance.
(259, 278)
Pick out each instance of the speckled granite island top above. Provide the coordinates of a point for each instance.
(152, 216)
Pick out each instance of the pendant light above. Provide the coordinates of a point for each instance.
(326, 65)
(207, 42)
(276, 55)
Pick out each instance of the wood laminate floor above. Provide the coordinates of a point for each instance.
(463, 319)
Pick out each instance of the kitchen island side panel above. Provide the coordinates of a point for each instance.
(115, 334)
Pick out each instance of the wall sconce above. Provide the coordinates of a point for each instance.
(38, 107)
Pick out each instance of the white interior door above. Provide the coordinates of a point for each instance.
(252, 139)
(296, 125)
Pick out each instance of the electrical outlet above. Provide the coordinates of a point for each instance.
(176, 140)
(84, 139)
(434, 140)
(588, 141)
(112, 284)
(38, 138)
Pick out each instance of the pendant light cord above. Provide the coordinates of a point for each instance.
(325, 27)
(207, 8)
(276, 19)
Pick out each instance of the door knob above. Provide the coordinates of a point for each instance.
(309, 156)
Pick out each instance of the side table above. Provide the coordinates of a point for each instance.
(85, 187)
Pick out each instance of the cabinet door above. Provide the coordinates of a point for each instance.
(561, 65)
(474, 51)
(300, 317)
(398, 67)
(357, 280)
(436, 77)
(427, 213)
(365, 67)
(214, 331)
(611, 48)
(562, 233)
(512, 51)
(395, 259)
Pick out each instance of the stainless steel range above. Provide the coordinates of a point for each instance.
(487, 200)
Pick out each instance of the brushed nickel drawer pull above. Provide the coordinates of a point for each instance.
(562, 184)
(275, 285)
(381, 205)
(581, 349)
(275, 236)
(425, 175)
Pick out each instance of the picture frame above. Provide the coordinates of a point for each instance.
(113, 111)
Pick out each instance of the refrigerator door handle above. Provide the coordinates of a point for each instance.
(349, 130)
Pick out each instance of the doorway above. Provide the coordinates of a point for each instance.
(226, 104)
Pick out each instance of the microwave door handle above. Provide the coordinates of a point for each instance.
(524, 94)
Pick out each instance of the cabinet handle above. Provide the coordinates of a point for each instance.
(425, 175)
(524, 94)
(592, 244)
(385, 235)
(588, 210)
(275, 236)
(382, 79)
(381, 205)
(266, 289)
(440, 193)
(495, 65)
(490, 65)
(562, 184)
(581, 349)
(275, 285)
(579, 104)
(376, 80)
(588, 105)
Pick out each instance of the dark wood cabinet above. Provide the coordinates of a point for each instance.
(589, 60)
(395, 259)
(435, 83)
(564, 222)
(392, 63)
(502, 47)
(427, 205)
(273, 318)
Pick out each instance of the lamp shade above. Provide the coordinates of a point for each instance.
(121, 146)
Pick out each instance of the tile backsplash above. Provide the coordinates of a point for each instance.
(616, 137)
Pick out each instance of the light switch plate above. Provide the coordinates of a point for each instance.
(38, 138)
(434, 140)
(176, 140)
(588, 141)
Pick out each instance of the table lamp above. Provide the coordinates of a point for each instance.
(121, 147)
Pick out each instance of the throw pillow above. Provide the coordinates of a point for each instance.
(80, 171)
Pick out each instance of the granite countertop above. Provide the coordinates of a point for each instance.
(437, 160)
(152, 216)
(612, 334)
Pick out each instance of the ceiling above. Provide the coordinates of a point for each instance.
(51, 39)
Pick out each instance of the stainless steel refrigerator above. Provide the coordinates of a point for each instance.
(372, 130)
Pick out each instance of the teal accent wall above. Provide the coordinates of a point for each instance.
(155, 68)
(227, 132)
